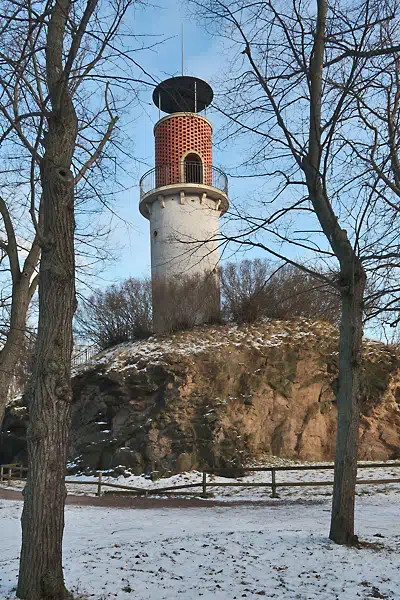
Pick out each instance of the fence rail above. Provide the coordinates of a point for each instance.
(83, 354)
(6, 472)
(273, 484)
(204, 484)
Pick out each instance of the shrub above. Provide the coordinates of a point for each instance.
(243, 288)
(254, 289)
(185, 301)
(118, 314)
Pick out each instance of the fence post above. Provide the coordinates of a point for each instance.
(20, 471)
(9, 476)
(274, 494)
(204, 494)
(99, 483)
(1, 474)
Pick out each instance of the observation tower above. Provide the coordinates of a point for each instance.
(183, 197)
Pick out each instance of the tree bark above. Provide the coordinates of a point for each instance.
(352, 284)
(350, 354)
(49, 396)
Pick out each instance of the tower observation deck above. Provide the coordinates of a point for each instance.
(184, 195)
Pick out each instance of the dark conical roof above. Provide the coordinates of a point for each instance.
(182, 94)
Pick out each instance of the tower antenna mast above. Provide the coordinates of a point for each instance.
(182, 46)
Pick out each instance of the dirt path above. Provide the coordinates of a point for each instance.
(110, 501)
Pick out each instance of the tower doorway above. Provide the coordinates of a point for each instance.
(193, 169)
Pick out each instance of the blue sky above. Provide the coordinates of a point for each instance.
(203, 57)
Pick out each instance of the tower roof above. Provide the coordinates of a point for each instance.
(182, 94)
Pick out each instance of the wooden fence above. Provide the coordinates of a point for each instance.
(204, 484)
(273, 484)
(7, 471)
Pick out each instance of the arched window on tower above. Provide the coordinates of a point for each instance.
(193, 168)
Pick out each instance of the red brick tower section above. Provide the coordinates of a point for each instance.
(178, 137)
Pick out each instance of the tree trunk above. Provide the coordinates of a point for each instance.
(13, 348)
(49, 395)
(350, 353)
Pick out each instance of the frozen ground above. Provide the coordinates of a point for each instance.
(260, 336)
(225, 553)
(129, 355)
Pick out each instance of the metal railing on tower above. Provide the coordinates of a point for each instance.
(183, 172)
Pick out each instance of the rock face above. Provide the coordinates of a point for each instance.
(12, 434)
(217, 397)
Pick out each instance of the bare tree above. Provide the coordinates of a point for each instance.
(182, 302)
(120, 313)
(243, 290)
(19, 259)
(299, 72)
(55, 59)
(378, 155)
(255, 289)
(98, 160)
(24, 282)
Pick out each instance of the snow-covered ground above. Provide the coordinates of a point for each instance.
(265, 334)
(276, 550)
(223, 553)
(259, 336)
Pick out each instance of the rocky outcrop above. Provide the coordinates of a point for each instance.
(220, 396)
(12, 434)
